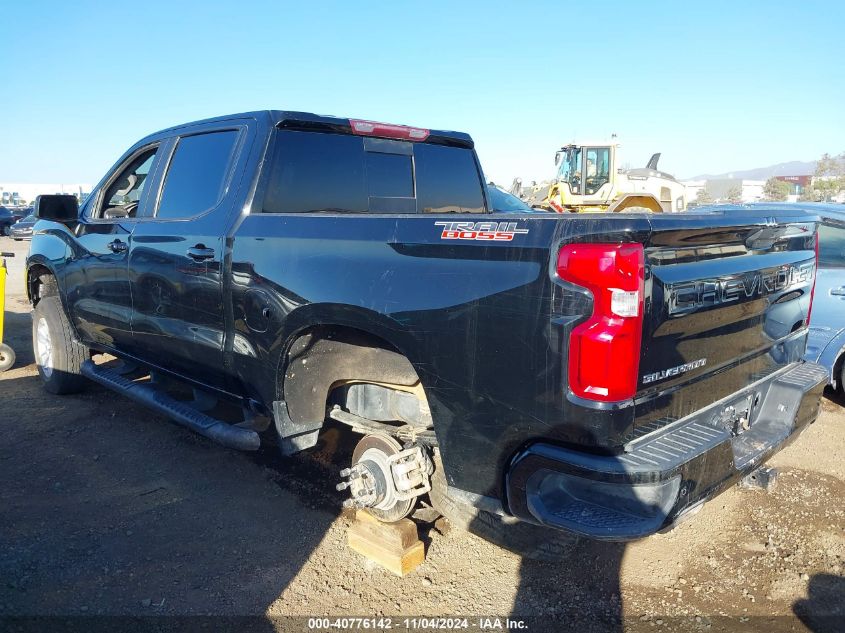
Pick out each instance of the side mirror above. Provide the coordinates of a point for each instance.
(557, 158)
(59, 208)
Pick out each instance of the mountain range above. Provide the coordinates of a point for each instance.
(792, 168)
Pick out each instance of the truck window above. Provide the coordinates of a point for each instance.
(598, 174)
(198, 174)
(831, 246)
(389, 175)
(448, 180)
(316, 172)
(123, 195)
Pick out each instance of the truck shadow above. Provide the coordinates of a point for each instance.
(823, 611)
(574, 583)
(837, 397)
(580, 592)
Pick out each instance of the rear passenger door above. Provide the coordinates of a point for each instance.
(177, 254)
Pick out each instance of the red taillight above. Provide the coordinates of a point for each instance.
(604, 351)
(373, 128)
(815, 274)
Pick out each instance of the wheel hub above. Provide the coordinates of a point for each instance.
(385, 478)
(368, 482)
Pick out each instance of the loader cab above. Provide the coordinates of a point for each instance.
(585, 169)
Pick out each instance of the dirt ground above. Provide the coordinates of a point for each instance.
(109, 510)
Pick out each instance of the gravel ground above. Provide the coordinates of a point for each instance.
(107, 509)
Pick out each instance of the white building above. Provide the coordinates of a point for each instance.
(723, 189)
(18, 193)
(692, 189)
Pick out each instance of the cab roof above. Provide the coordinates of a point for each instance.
(291, 119)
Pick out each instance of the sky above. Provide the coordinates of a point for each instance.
(715, 86)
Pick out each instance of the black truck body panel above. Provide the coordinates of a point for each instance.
(471, 319)
(219, 298)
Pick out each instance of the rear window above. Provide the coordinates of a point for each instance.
(390, 175)
(313, 172)
(447, 180)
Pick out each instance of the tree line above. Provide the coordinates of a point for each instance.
(828, 181)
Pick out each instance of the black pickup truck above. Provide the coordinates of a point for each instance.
(602, 374)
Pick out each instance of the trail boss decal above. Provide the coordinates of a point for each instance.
(495, 231)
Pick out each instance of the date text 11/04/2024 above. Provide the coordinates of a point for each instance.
(416, 623)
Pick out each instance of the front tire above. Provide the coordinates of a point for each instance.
(58, 355)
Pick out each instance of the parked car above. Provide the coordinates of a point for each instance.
(22, 229)
(826, 343)
(826, 340)
(599, 374)
(8, 216)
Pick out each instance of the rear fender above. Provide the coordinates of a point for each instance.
(832, 355)
(328, 315)
(347, 343)
(316, 363)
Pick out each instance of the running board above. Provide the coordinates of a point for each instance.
(180, 412)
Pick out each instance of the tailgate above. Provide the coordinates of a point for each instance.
(727, 302)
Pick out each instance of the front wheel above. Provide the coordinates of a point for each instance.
(58, 355)
(7, 230)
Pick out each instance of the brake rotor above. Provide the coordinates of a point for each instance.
(372, 451)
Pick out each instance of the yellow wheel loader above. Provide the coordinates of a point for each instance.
(588, 179)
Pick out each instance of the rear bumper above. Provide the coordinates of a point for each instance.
(664, 475)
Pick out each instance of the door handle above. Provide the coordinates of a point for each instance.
(118, 246)
(838, 292)
(200, 253)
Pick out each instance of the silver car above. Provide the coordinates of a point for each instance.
(826, 344)
(826, 341)
(22, 229)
